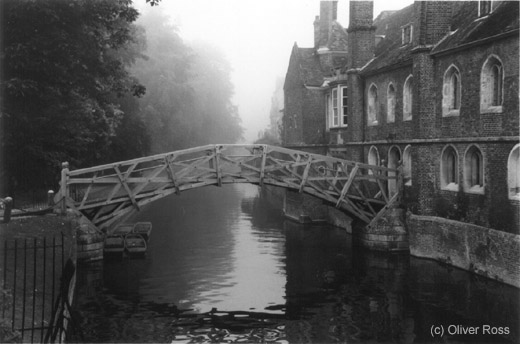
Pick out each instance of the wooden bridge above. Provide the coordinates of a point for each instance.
(105, 193)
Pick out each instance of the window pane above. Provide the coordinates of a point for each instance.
(344, 106)
(335, 119)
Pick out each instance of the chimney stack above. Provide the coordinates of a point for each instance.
(323, 23)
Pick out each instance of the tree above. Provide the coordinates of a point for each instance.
(188, 100)
(64, 68)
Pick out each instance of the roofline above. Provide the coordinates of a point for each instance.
(476, 43)
(402, 64)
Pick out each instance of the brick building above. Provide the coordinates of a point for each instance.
(433, 86)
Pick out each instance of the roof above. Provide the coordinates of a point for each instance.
(468, 27)
(311, 71)
(338, 38)
(390, 51)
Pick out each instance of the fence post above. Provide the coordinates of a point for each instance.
(8, 206)
(50, 198)
(64, 187)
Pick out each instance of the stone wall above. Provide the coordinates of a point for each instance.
(487, 252)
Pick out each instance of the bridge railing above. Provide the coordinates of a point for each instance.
(104, 193)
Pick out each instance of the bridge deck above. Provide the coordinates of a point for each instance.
(105, 193)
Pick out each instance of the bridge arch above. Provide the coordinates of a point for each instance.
(105, 193)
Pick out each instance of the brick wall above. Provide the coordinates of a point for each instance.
(399, 129)
(488, 252)
(313, 117)
(470, 122)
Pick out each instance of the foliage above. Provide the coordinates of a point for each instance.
(188, 100)
(502, 215)
(267, 137)
(457, 210)
(7, 335)
(75, 76)
(64, 66)
(411, 199)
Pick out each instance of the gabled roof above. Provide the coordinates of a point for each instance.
(311, 71)
(304, 68)
(469, 28)
(390, 51)
(338, 38)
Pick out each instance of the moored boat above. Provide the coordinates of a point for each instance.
(114, 245)
(135, 244)
(123, 229)
(144, 229)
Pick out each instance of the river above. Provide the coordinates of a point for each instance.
(223, 265)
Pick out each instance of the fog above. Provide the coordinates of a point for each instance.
(257, 38)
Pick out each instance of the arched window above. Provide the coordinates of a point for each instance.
(491, 85)
(407, 165)
(372, 106)
(407, 99)
(373, 158)
(474, 170)
(394, 156)
(390, 104)
(513, 170)
(449, 169)
(451, 92)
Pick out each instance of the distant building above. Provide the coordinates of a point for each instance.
(433, 86)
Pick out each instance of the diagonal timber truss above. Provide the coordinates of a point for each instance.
(105, 193)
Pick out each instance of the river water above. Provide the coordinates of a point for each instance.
(223, 265)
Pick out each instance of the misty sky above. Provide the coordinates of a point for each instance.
(257, 38)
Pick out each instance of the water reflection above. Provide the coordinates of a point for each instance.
(224, 266)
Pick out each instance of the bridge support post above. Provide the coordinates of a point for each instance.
(389, 233)
(303, 208)
(64, 187)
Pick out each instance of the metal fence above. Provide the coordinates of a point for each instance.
(33, 284)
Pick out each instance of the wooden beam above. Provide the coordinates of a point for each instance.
(305, 174)
(346, 187)
(171, 174)
(217, 166)
(262, 166)
(126, 187)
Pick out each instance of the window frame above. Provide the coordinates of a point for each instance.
(337, 110)
(485, 7)
(391, 103)
(451, 92)
(373, 153)
(406, 35)
(408, 98)
(488, 83)
(372, 116)
(513, 170)
(472, 172)
(449, 177)
(407, 165)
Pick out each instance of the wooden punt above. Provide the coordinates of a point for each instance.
(135, 244)
(123, 229)
(144, 229)
(114, 245)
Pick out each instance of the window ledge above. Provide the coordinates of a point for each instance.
(476, 189)
(374, 123)
(408, 183)
(451, 187)
(407, 119)
(492, 109)
(515, 197)
(451, 113)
